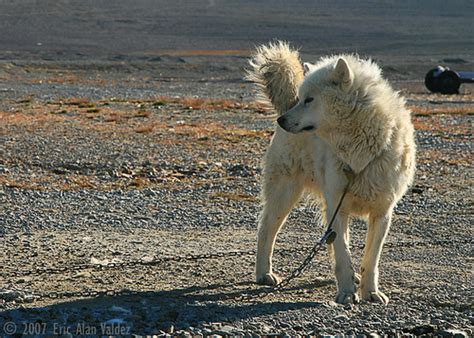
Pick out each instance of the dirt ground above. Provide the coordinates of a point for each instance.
(130, 151)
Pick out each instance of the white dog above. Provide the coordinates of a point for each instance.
(341, 113)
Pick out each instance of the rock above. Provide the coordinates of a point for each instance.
(226, 330)
(241, 170)
(24, 279)
(10, 295)
(149, 192)
(215, 326)
(453, 333)
(298, 328)
(374, 335)
(422, 330)
(28, 298)
(85, 274)
(436, 321)
(170, 329)
(341, 318)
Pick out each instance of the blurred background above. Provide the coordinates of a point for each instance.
(426, 29)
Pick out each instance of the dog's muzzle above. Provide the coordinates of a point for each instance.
(282, 122)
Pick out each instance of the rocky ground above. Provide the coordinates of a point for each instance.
(110, 174)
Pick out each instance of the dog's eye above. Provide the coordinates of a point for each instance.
(308, 100)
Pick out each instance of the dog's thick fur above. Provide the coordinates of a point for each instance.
(341, 113)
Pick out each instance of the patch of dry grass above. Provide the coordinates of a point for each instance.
(149, 127)
(79, 102)
(213, 130)
(233, 196)
(421, 110)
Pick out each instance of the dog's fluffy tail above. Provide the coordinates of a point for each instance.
(277, 71)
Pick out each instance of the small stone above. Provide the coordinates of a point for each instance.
(85, 274)
(226, 330)
(216, 326)
(341, 318)
(149, 192)
(453, 333)
(23, 280)
(349, 306)
(373, 334)
(9, 295)
(436, 321)
(298, 327)
(422, 329)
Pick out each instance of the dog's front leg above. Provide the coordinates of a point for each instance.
(335, 183)
(377, 231)
(280, 193)
(346, 288)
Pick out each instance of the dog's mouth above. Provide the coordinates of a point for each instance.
(308, 128)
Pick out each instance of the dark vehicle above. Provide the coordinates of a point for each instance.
(446, 81)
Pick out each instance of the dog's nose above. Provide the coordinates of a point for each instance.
(281, 121)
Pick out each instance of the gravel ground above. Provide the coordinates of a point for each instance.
(108, 163)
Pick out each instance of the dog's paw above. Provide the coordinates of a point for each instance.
(375, 296)
(347, 297)
(268, 279)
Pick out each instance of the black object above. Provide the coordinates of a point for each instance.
(446, 81)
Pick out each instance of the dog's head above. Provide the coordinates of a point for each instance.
(317, 95)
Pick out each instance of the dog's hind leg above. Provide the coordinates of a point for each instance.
(280, 193)
(377, 231)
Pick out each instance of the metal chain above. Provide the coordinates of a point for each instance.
(242, 297)
(116, 265)
(162, 260)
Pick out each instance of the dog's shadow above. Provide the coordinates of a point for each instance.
(150, 311)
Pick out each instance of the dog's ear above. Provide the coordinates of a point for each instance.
(307, 67)
(342, 74)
